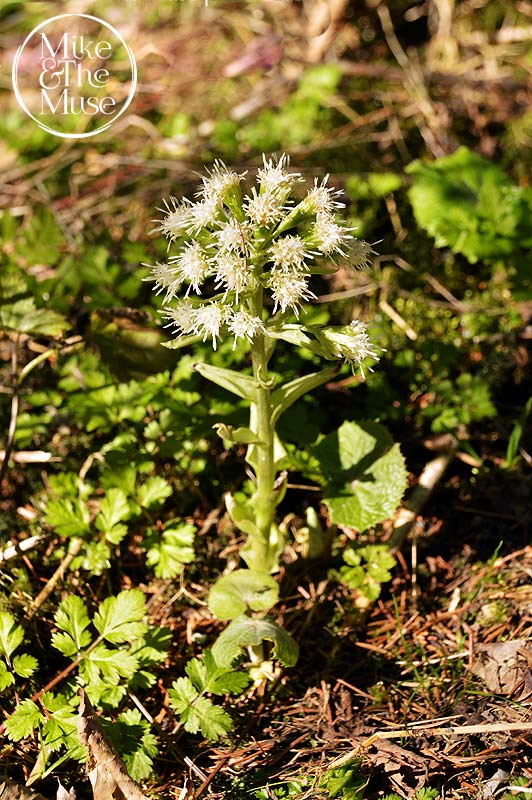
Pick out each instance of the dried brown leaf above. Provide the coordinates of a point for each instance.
(14, 791)
(107, 772)
(406, 771)
(504, 666)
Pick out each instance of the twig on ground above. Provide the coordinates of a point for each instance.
(428, 479)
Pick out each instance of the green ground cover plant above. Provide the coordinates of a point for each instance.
(196, 539)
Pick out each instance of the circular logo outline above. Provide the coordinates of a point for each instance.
(129, 98)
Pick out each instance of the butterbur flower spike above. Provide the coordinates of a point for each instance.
(256, 254)
(257, 251)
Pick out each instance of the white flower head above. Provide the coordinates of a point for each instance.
(231, 237)
(245, 326)
(322, 198)
(289, 290)
(289, 252)
(209, 319)
(166, 280)
(191, 266)
(232, 273)
(265, 208)
(182, 317)
(360, 255)
(273, 177)
(203, 215)
(328, 236)
(353, 344)
(175, 221)
(219, 181)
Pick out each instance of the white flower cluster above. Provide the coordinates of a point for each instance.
(241, 246)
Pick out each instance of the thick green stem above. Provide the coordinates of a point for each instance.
(264, 498)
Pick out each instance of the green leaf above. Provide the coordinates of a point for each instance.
(72, 618)
(223, 681)
(114, 509)
(131, 735)
(207, 676)
(181, 341)
(198, 713)
(515, 436)
(6, 677)
(365, 474)
(245, 632)
(233, 436)
(242, 385)
(68, 517)
(11, 635)
(23, 317)
(242, 515)
(23, 721)
(287, 394)
(384, 183)
(367, 569)
(296, 335)
(239, 591)
(119, 619)
(153, 492)
(25, 665)
(173, 549)
(111, 665)
(468, 203)
(345, 782)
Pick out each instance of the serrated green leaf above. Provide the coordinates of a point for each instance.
(198, 713)
(11, 635)
(197, 672)
(23, 317)
(114, 509)
(153, 492)
(68, 517)
(207, 676)
(60, 729)
(130, 733)
(365, 474)
(25, 665)
(245, 632)
(242, 385)
(241, 590)
(72, 618)
(174, 548)
(468, 203)
(102, 662)
(221, 681)
(23, 721)
(6, 677)
(368, 568)
(119, 619)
